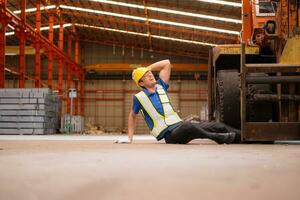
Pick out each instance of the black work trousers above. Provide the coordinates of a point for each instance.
(188, 131)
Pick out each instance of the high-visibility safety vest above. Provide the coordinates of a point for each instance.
(160, 122)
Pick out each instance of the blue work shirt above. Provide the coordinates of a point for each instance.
(154, 98)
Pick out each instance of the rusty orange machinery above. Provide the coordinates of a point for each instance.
(259, 21)
(268, 22)
(265, 73)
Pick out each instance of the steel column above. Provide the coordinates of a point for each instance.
(247, 21)
(82, 80)
(210, 88)
(37, 70)
(69, 72)
(60, 62)
(2, 43)
(50, 53)
(279, 91)
(22, 45)
(77, 76)
(76, 56)
(292, 114)
(76, 98)
(16, 22)
(243, 90)
(82, 84)
(124, 117)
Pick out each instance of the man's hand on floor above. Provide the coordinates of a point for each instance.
(123, 141)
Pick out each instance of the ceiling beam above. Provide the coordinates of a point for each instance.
(125, 67)
(195, 55)
(231, 38)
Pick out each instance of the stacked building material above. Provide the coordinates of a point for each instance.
(29, 111)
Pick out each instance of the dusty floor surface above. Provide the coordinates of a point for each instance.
(87, 168)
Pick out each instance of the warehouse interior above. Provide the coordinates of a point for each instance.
(66, 91)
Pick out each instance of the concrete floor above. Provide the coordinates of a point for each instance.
(92, 167)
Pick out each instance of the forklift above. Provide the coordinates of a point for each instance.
(254, 86)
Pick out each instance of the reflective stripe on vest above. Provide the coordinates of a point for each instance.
(160, 122)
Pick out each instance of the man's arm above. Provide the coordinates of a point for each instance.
(164, 67)
(131, 125)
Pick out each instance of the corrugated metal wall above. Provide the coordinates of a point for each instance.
(108, 102)
(114, 101)
(104, 103)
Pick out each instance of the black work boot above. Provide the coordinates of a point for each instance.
(226, 138)
(237, 139)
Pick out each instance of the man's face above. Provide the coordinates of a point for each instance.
(148, 80)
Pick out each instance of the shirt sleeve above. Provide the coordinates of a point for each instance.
(163, 84)
(136, 105)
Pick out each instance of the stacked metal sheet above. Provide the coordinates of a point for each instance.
(29, 111)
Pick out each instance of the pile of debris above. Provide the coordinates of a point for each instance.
(100, 130)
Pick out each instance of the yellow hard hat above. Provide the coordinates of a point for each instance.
(138, 73)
